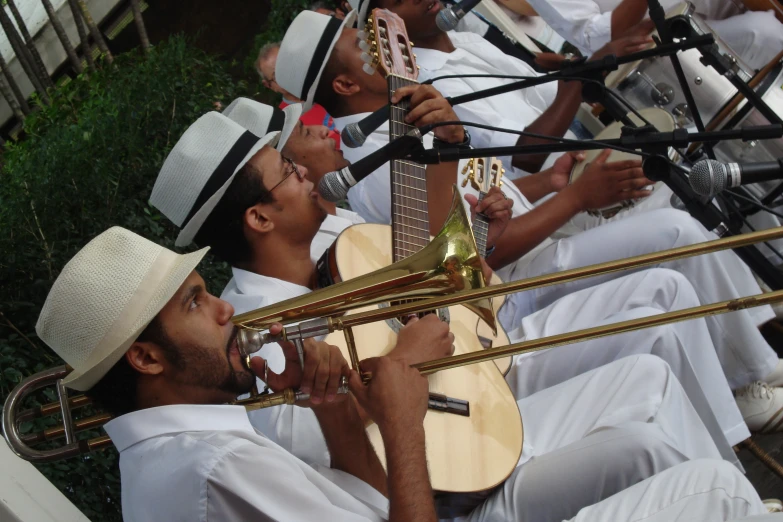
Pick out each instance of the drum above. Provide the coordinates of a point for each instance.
(770, 88)
(653, 83)
(660, 118)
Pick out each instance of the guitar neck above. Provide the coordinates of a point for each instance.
(410, 217)
(480, 229)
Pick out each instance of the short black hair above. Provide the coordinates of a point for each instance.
(116, 391)
(224, 229)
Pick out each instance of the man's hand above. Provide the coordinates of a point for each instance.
(604, 184)
(551, 61)
(324, 366)
(396, 396)
(636, 39)
(496, 207)
(560, 171)
(422, 340)
(429, 106)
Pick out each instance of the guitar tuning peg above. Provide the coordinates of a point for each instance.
(363, 45)
(414, 56)
(366, 58)
(418, 67)
(361, 35)
(411, 44)
(464, 182)
(368, 68)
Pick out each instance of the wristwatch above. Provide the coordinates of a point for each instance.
(440, 144)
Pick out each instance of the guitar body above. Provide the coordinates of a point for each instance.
(465, 453)
(489, 339)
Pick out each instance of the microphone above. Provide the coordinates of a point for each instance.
(448, 19)
(709, 177)
(355, 134)
(334, 185)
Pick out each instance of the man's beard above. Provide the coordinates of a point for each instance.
(204, 367)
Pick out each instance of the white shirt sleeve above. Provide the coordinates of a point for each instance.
(251, 483)
(580, 22)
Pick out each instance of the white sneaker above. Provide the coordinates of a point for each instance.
(773, 505)
(761, 407)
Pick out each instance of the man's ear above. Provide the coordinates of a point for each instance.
(146, 358)
(344, 85)
(257, 220)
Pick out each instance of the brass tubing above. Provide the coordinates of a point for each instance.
(535, 345)
(96, 421)
(51, 408)
(587, 334)
(565, 276)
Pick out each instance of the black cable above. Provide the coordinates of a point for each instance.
(543, 137)
(608, 90)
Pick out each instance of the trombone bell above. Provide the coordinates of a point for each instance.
(449, 263)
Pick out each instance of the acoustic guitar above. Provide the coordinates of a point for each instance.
(475, 445)
(482, 174)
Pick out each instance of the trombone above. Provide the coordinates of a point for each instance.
(307, 312)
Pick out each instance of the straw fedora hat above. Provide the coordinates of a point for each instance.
(261, 119)
(304, 51)
(200, 168)
(105, 297)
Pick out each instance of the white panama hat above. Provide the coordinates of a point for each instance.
(261, 119)
(304, 51)
(104, 298)
(200, 168)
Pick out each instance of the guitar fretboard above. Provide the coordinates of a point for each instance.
(410, 218)
(480, 229)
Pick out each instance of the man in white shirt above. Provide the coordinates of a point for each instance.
(162, 356)
(756, 36)
(524, 249)
(307, 145)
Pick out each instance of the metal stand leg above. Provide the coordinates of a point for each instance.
(763, 456)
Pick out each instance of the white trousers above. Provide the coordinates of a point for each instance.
(755, 36)
(685, 346)
(744, 354)
(700, 490)
(596, 435)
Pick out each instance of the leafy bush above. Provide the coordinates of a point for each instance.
(88, 163)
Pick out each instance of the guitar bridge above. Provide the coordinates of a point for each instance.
(440, 402)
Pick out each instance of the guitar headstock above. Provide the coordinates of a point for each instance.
(483, 174)
(386, 47)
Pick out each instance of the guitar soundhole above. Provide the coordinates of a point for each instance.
(397, 323)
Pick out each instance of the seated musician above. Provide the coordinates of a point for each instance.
(263, 225)
(150, 344)
(756, 36)
(525, 249)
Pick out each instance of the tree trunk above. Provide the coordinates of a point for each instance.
(95, 32)
(86, 49)
(23, 55)
(145, 41)
(61, 34)
(21, 101)
(37, 61)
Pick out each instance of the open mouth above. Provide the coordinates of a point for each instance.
(433, 6)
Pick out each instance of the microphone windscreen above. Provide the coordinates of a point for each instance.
(353, 136)
(447, 20)
(708, 177)
(332, 188)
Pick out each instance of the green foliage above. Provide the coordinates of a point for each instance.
(88, 163)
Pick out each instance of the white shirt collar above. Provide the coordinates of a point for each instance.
(250, 283)
(434, 60)
(134, 427)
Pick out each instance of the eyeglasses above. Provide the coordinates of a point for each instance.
(291, 168)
